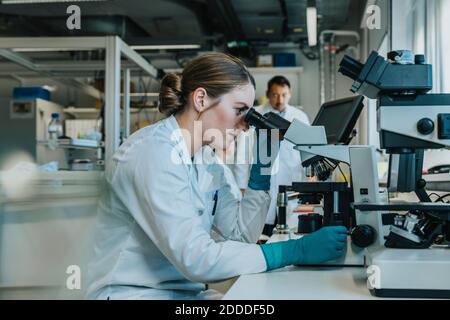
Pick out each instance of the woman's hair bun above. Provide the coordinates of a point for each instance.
(171, 94)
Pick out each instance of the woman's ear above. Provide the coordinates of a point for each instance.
(200, 98)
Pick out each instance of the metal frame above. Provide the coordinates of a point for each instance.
(27, 63)
(63, 67)
(126, 101)
(115, 48)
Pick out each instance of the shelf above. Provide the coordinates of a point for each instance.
(77, 145)
(76, 112)
(79, 112)
(276, 69)
(439, 177)
(298, 69)
(438, 182)
(148, 94)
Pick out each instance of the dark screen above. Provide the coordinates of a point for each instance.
(336, 117)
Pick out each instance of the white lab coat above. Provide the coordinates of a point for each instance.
(153, 234)
(287, 167)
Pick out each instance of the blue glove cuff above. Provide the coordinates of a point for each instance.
(261, 180)
(281, 254)
(258, 181)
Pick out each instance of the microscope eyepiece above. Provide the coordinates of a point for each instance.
(403, 74)
(268, 121)
(255, 119)
(350, 67)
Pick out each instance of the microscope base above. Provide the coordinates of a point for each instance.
(403, 273)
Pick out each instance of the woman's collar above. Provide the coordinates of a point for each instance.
(176, 136)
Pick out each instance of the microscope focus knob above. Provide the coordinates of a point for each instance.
(425, 126)
(363, 235)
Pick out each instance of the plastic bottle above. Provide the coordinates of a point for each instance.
(55, 130)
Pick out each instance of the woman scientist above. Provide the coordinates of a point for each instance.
(161, 203)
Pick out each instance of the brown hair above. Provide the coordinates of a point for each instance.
(217, 73)
(279, 80)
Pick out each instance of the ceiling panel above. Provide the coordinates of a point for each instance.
(262, 19)
(256, 7)
(262, 27)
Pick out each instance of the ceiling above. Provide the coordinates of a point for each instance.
(207, 22)
(241, 27)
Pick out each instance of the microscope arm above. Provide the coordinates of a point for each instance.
(302, 134)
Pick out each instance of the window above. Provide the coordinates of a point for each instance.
(444, 49)
(423, 27)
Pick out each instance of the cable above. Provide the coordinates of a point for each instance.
(441, 198)
(331, 165)
(434, 194)
(343, 175)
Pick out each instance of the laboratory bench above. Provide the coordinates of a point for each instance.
(302, 283)
(298, 283)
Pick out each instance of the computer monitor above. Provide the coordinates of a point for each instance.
(339, 118)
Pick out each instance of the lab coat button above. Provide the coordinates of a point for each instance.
(200, 212)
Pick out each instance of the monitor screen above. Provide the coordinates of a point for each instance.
(339, 118)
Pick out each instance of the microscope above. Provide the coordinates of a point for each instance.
(323, 147)
(403, 245)
(413, 260)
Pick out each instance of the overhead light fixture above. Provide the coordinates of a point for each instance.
(166, 47)
(43, 1)
(311, 23)
(47, 49)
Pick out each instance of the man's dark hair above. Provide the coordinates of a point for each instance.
(279, 80)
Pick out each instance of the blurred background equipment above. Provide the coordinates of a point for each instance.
(23, 123)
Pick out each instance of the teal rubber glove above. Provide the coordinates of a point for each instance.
(266, 153)
(328, 243)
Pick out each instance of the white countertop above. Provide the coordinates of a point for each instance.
(299, 283)
(302, 283)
